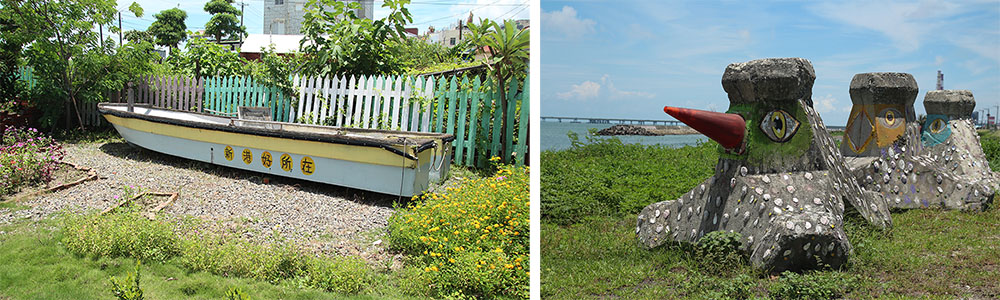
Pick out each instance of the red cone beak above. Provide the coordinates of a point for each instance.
(727, 129)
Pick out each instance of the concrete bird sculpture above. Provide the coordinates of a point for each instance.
(780, 181)
(884, 150)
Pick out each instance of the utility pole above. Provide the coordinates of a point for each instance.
(998, 117)
(120, 29)
(242, 5)
(101, 26)
(460, 30)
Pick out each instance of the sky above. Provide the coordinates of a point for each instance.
(628, 59)
(437, 13)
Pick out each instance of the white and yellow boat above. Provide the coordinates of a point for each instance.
(391, 162)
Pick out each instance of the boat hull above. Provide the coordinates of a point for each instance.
(361, 167)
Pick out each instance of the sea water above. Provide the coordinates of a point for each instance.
(554, 136)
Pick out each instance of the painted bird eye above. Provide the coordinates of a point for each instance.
(937, 125)
(779, 126)
(889, 118)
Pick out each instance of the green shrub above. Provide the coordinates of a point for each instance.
(473, 238)
(604, 177)
(740, 287)
(339, 274)
(236, 294)
(719, 252)
(128, 288)
(123, 233)
(991, 147)
(233, 256)
(814, 285)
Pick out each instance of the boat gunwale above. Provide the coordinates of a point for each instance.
(103, 108)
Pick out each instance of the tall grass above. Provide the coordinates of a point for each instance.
(605, 177)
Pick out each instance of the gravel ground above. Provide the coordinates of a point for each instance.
(322, 218)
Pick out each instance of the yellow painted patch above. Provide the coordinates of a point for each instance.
(229, 153)
(247, 156)
(286, 162)
(890, 124)
(362, 154)
(265, 159)
(307, 165)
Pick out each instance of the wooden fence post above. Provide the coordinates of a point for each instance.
(462, 99)
(509, 123)
(524, 124)
(474, 103)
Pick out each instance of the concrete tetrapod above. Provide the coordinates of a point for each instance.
(780, 181)
(950, 139)
(884, 149)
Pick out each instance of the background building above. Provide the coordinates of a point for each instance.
(286, 16)
(459, 31)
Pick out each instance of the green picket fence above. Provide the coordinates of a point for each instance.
(468, 108)
(223, 95)
(471, 110)
(27, 75)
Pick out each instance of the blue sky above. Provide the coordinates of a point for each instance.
(437, 13)
(627, 59)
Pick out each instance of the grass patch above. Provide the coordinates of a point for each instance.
(608, 178)
(472, 240)
(79, 255)
(37, 266)
(233, 256)
(928, 254)
(123, 233)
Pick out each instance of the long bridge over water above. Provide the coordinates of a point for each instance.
(609, 121)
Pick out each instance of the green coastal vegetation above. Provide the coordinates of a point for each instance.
(592, 192)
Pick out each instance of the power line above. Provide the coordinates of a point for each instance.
(504, 16)
(455, 15)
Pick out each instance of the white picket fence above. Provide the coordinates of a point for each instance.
(365, 102)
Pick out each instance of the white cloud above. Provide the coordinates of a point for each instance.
(615, 93)
(938, 60)
(583, 91)
(828, 104)
(976, 67)
(984, 46)
(605, 89)
(567, 23)
(906, 24)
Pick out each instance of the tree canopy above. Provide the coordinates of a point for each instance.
(70, 64)
(342, 43)
(224, 23)
(169, 29)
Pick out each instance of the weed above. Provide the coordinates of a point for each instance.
(233, 256)
(128, 288)
(719, 252)
(813, 285)
(236, 294)
(339, 275)
(123, 233)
